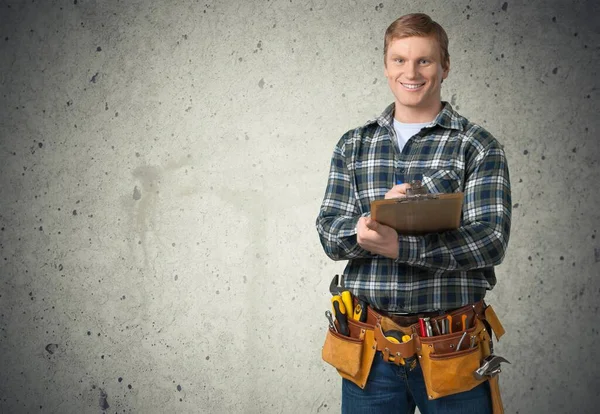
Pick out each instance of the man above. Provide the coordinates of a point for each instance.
(418, 137)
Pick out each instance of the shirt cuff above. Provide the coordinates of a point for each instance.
(350, 228)
(409, 248)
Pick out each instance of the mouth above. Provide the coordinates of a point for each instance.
(412, 86)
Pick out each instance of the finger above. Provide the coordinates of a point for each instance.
(401, 188)
(360, 223)
(371, 224)
(397, 191)
(361, 228)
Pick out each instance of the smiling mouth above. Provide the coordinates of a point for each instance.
(412, 85)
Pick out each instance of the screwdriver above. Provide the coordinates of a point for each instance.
(437, 325)
(428, 327)
(422, 327)
(462, 338)
(464, 322)
(340, 314)
(330, 319)
(347, 301)
(360, 311)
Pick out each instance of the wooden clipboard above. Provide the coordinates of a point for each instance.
(419, 215)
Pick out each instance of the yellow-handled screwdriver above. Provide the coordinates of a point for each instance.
(339, 311)
(347, 301)
(360, 311)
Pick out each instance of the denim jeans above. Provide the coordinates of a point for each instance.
(397, 389)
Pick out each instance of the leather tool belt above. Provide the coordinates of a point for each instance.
(448, 357)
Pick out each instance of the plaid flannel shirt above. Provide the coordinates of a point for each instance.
(438, 271)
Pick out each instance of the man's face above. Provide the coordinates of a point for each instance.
(414, 71)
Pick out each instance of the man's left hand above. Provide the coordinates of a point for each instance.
(377, 238)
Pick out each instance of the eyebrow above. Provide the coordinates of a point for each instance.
(396, 55)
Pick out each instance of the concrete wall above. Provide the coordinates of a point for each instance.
(162, 164)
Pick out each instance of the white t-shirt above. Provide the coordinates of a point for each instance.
(405, 131)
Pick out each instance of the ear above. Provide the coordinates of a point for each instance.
(446, 70)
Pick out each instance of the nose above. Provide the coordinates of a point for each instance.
(411, 70)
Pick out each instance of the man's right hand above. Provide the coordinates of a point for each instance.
(397, 191)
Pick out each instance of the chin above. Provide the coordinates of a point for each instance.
(415, 103)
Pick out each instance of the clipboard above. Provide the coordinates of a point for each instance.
(419, 214)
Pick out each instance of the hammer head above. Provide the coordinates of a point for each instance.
(490, 367)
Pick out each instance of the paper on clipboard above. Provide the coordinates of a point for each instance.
(419, 215)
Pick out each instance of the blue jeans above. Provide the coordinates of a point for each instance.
(397, 389)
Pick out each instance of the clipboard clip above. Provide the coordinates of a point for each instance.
(417, 192)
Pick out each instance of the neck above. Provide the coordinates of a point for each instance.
(415, 115)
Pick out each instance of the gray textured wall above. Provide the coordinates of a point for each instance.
(162, 164)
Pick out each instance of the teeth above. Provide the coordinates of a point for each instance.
(411, 86)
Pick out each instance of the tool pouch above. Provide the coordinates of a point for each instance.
(351, 355)
(447, 371)
(395, 353)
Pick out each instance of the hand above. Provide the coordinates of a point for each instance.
(397, 191)
(377, 238)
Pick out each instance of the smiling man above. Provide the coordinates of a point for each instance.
(405, 277)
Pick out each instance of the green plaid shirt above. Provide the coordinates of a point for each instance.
(438, 271)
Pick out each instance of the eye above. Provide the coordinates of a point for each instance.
(399, 60)
(424, 61)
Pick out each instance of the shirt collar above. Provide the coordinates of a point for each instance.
(447, 118)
